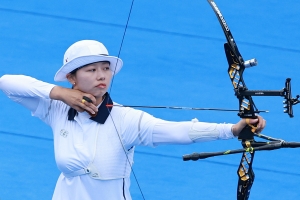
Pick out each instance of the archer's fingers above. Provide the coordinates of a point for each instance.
(89, 98)
(88, 103)
(261, 123)
(78, 108)
(89, 107)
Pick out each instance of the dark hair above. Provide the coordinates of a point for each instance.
(75, 70)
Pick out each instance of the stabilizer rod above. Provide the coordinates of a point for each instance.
(256, 146)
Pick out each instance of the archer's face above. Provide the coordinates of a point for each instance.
(94, 79)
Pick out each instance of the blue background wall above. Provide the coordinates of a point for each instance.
(173, 55)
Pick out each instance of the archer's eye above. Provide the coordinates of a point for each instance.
(92, 70)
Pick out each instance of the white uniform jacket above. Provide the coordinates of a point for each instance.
(95, 156)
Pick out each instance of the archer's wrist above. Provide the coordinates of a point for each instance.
(238, 127)
(233, 131)
(57, 93)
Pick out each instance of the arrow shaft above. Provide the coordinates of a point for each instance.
(181, 108)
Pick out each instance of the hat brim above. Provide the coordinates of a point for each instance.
(115, 65)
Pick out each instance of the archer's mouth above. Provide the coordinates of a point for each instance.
(101, 85)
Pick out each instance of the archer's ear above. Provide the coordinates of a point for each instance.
(71, 78)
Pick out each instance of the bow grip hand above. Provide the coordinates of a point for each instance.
(245, 128)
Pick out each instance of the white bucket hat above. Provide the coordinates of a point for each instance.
(86, 52)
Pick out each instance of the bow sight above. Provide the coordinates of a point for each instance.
(247, 109)
(242, 93)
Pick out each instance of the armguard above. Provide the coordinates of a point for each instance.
(203, 132)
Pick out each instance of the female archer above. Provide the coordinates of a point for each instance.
(95, 137)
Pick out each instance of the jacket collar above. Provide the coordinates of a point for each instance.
(103, 111)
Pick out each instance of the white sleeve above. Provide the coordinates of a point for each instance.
(25, 90)
(137, 128)
(167, 132)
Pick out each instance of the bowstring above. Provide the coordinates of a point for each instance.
(111, 85)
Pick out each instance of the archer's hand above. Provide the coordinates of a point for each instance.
(74, 98)
(238, 127)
